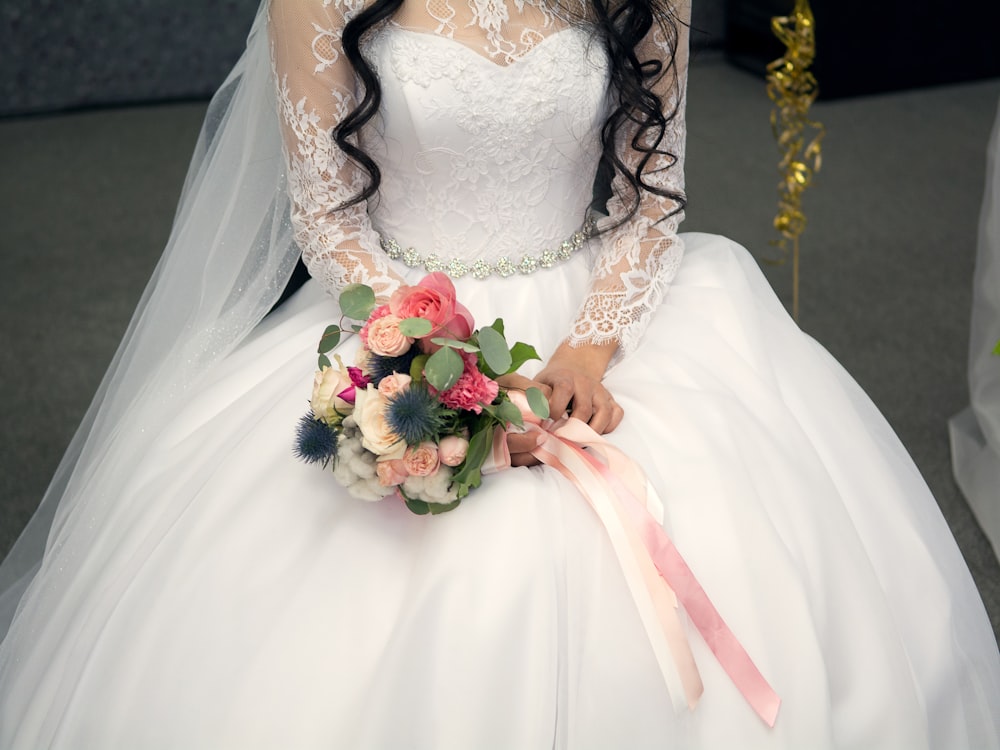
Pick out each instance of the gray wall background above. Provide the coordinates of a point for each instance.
(57, 55)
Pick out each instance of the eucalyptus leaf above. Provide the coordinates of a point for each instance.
(357, 301)
(444, 368)
(455, 344)
(510, 414)
(330, 339)
(439, 508)
(495, 350)
(419, 507)
(521, 353)
(480, 444)
(415, 327)
(323, 361)
(538, 403)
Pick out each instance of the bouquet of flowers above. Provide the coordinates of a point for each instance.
(418, 414)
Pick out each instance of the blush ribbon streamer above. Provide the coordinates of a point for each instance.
(657, 576)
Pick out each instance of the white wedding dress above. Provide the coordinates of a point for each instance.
(229, 596)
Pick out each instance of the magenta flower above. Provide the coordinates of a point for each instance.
(358, 380)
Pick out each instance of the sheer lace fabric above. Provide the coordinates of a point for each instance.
(493, 144)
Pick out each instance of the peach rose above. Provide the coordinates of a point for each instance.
(452, 450)
(370, 414)
(433, 299)
(385, 338)
(390, 385)
(421, 460)
(391, 472)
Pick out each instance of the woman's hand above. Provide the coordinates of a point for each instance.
(571, 381)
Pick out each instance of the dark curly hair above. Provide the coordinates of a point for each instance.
(621, 24)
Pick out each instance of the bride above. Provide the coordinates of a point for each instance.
(187, 583)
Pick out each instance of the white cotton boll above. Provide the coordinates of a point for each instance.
(436, 487)
(362, 467)
(378, 490)
(414, 486)
(343, 473)
(369, 490)
(363, 491)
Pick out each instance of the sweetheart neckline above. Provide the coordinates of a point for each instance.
(518, 62)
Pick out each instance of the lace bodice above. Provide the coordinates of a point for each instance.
(488, 141)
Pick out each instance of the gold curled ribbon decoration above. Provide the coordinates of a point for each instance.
(793, 89)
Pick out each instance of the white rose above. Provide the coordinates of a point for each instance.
(370, 414)
(327, 383)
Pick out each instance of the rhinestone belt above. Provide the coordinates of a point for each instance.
(502, 267)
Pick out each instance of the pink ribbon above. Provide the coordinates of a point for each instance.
(657, 576)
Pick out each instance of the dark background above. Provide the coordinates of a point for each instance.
(62, 56)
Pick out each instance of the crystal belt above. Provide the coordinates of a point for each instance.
(502, 266)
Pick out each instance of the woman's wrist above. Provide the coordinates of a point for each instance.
(589, 359)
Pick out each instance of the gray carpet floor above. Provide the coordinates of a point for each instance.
(87, 199)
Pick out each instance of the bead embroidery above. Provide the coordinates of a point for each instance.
(504, 267)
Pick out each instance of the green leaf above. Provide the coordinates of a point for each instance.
(996, 350)
(417, 367)
(538, 403)
(455, 344)
(356, 327)
(469, 473)
(439, 508)
(415, 327)
(521, 353)
(330, 339)
(357, 301)
(498, 326)
(444, 368)
(419, 507)
(495, 350)
(324, 361)
(510, 414)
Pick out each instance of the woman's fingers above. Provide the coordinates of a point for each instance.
(563, 387)
(520, 446)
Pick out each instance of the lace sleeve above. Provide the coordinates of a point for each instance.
(638, 259)
(316, 90)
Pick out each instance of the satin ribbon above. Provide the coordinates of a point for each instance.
(657, 576)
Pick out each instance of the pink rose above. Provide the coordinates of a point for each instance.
(421, 460)
(433, 299)
(394, 384)
(452, 450)
(391, 472)
(385, 338)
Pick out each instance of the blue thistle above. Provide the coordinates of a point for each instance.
(315, 441)
(382, 367)
(416, 415)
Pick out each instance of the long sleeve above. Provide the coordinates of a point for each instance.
(316, 90)
(638, 259)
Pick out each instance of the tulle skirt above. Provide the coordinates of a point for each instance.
(237, 598)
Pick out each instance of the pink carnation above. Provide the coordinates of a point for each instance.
(378, 312)
(472, 390)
